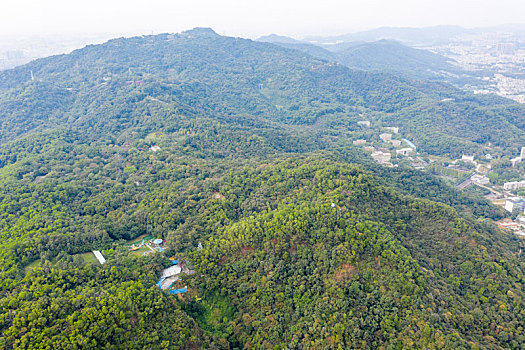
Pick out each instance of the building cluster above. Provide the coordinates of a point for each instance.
(383, 155)
(498, 52)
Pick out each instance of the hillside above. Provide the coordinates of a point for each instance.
(385, 56)
(245, 82)
(393, 57)
(238, 154)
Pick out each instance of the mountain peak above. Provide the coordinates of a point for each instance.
(274, 38)
(201, 31)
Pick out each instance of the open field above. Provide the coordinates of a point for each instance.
(32, 265)
(89, 258)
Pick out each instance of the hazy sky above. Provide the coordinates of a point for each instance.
(247, 18)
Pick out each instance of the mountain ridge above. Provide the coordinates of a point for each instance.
(261, 72)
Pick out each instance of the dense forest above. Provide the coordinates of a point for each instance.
(297, 238)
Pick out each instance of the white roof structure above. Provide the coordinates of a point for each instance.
(170, 271)
(385, 136)
(405, 151)
(99, 256)
(394, 129)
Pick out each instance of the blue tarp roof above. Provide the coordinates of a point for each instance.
(159, 283)
(178, 291)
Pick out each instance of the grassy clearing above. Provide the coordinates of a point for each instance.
(32, 265)
(89, 258)
(139, 239)
(140, 251)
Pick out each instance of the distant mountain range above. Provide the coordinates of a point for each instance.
(379, 56)
(386, 56)
(414, 36)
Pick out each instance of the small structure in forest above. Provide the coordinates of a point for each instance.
(171, 275)
(136, 247)
(385, 136)
(396, 143)
(99, 257)
(381, 157)
(217, 195)
(404, 151)
(393, 129)
(178, 291)
(171, 271)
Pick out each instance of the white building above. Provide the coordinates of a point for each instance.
(518, 159)
(396, 143)
(393, 129)
(364, 123)
(468, 159)
(381, 157)
(514, 204)
(385, 137)
(405, 151)
(511, 186)
(99, 257)
(480, 179)
(359, 142)
(171, 271)
(515, 161)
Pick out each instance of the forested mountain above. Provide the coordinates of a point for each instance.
(239, 155)
(310, 49)
(245, 82)
(383, 56)
(278, 39)
(393, 57)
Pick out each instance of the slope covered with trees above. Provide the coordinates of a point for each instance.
(306, 243)
(112, 86)
(386, 56)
